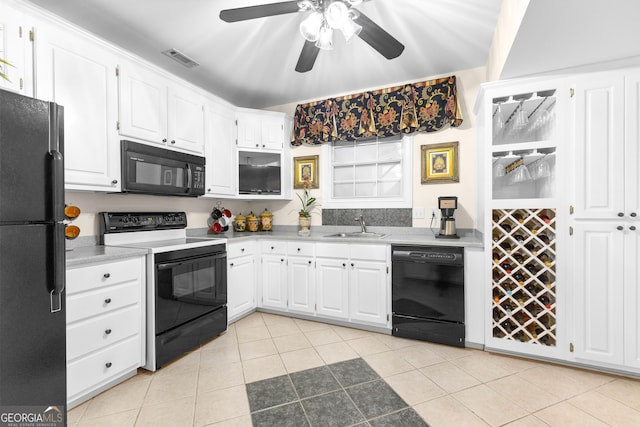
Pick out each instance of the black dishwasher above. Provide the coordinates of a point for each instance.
(428, 293)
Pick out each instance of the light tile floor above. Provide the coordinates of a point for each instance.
(445, 385)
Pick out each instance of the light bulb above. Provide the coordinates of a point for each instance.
(310, 27)
(325, 41)
(336, 14)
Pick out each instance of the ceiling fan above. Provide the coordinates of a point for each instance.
(317, 29)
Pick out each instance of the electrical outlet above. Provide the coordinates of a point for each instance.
(418, 213)
(434, 212)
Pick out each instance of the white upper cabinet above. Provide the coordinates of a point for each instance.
(261, 129)
(222, 166)
(632, 146)
(16, 49)
(80, 74)
(599, 146)
(157, 110)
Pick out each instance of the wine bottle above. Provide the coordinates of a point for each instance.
(506, 227)
(496, 257)
(507, 326)
(496, 218)
(534, 330)
(531, 269)
(519, 278)
(506, 246)
(544, 238)
(518, 257)
(544, 299)
(532, 248)
(518, 217)
(531, 287)
(545, 259)
(507, 267)
(519, 238)
(545, 218)
(544, 279)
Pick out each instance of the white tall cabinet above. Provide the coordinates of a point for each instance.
(79, 73)
(605, 219)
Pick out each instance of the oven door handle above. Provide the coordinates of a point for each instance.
(166, 265)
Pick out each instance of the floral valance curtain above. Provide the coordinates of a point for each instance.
(416, 107)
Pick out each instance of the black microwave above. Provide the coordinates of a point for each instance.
(154, 170)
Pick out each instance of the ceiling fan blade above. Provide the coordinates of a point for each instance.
(259, 11)
(378, 38)
(307, 57)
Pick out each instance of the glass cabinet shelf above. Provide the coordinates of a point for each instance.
(523, 118)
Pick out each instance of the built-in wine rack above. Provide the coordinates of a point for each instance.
(524, 275)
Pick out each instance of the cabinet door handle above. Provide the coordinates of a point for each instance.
(107, 301)
(620, 214)
(352, 265)
(298, 249)
(633, 214)
(271, 247)
(114, 182)
(344, 265)
(281, 259)
(230, 264)
(241, 249)
(173, 141)
(620, 228)
(309, 262)
(106, 275)
(108, 364)
(632, 228)
(107, 331)
(258, 145)
(164, 139)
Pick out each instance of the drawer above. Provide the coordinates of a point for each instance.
(332, 250)
(237, 249)
(98, 368)
(90, 335)
(369, 252)
(102, 300)
(104, 274)
(301, 248)
(274, 247)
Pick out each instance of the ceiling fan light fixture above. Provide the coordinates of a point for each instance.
(310, 27)
(350, 29)
(337, 14)
(325, 41)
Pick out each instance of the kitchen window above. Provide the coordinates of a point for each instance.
(373, 173)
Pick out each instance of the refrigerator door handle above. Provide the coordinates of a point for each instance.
(57, 185)
(58, 283)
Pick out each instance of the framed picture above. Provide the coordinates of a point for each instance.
(305, 169)
(439, 163)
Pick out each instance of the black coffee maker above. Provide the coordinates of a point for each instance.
(447, 205)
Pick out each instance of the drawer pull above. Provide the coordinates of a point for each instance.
(241, 249)
(106, 275)
(108, 331)
(298, 249)
(230, 264)
(632, 228)
(108, 364)
(107, 301)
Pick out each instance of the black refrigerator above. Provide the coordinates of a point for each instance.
(32, 259)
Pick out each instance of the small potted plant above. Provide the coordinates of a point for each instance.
(304, 218)
(3, 75)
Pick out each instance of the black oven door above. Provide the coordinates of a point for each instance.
(190, 283)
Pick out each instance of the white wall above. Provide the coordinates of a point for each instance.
(468, 82)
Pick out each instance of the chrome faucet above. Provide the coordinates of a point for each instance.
(363, 225)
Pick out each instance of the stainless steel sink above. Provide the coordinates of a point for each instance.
(356, 234)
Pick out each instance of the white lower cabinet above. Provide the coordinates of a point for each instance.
(105, 325)
(353, 282)
(368, 291)
(241, 279)
(606, 299)
(301, 277)
(332, 279)
(339, 281)
(274, 275)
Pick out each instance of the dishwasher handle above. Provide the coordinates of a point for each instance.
(427, 257)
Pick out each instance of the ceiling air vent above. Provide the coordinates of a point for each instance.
(181, 58)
